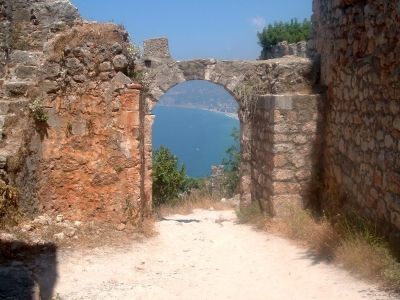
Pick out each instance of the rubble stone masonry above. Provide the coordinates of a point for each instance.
(89, 160)
(286, 147)
(358, 43)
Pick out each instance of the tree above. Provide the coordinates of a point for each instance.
(292, 32)
(168, 179)
(232, 164)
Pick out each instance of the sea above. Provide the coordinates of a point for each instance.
(197, 137)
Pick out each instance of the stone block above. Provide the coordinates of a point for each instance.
(26, 72)
(130, 100)
(16, 88)
(26, 58)
(49, 70)
(120, 62)
(50, 87)
(79, 128)
(4, 106)
(157, 48)
(271, 102)
(279, 161)
(130, 118)
(105, 67)
(283, 203)
(282, 175)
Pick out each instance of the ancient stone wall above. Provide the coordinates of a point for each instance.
(284, 48)
(88, 159)
(359, 48)
(286, 151)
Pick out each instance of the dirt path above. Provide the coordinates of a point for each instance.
(199, 257)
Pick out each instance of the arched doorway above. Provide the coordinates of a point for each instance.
(194, 120)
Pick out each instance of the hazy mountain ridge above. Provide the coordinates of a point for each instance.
(200, 94)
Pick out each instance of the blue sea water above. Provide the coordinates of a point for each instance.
(197, 137)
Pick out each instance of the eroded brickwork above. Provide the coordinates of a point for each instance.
(284, 48)
(88, 160)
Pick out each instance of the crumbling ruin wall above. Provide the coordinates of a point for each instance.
(284, 48)
(359, 48)
(86, 160)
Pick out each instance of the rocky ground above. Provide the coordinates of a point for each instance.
(205, 255)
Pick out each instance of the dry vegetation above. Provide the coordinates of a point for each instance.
(352, 242)
(196, 200)
(95, 33)
(9, 204)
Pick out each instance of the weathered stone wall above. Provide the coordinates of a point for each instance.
(286, 151)
(359, 48)
(284, 48)
(88, 160)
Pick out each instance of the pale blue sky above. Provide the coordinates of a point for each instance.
(221, 29)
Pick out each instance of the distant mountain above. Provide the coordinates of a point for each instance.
(200, 94)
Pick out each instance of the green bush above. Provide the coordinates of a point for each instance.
(168, 179)
(232, 165)
(292, 32)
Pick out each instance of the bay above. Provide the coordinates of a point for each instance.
(197, 137)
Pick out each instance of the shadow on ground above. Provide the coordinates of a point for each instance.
(27, 271)
(181, 220)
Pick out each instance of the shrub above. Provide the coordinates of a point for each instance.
(232, 165)
(252, 214)
(37, 109)
(292, 32)
(168, 179)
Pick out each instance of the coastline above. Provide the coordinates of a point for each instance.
(230, 115)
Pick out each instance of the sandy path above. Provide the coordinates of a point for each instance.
(195, 257)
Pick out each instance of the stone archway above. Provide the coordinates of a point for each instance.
(285, 76)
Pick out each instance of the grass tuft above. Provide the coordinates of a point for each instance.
(197, 199)
(253, 214)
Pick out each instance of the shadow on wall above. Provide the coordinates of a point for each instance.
(27, 271)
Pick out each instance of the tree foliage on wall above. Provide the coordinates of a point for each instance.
(292, 32)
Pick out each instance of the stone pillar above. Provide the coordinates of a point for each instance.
(157, 47)
(147, 162)
(217, 178)
(245, 162)
(285, 151)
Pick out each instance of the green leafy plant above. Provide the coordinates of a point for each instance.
(169, 180)
(232, 165)
(292, 32)
(119, 169)
(37, 109)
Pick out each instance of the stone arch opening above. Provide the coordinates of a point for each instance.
(284, 88)
(194, 119)
(150, 102)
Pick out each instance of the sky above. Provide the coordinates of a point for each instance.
(220, 29)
